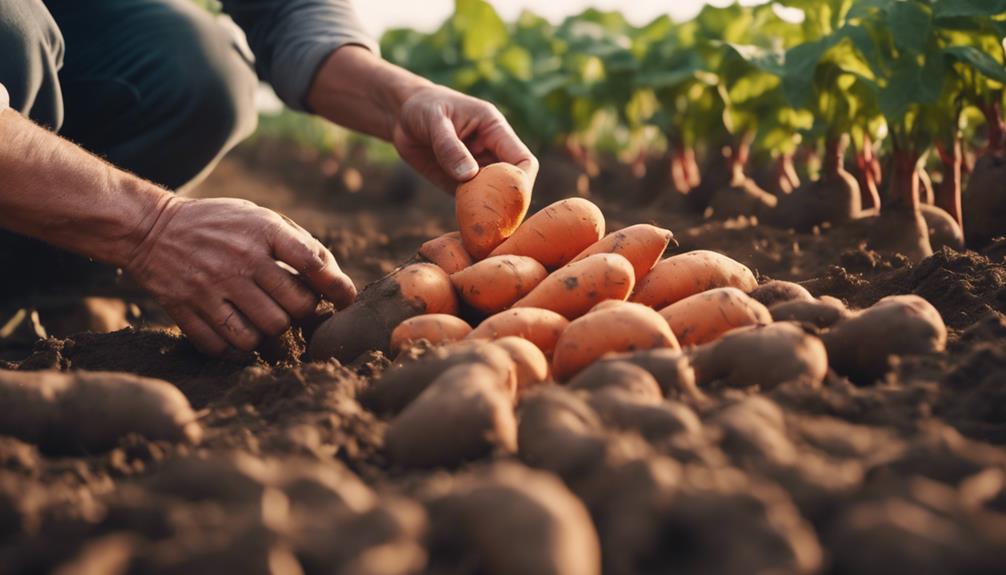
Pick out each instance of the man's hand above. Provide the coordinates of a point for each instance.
(447, 136)
(214, 266)
(443, 134)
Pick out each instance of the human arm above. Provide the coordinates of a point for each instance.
(318, 58)
(211, 263)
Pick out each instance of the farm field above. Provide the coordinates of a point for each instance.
(848, 416)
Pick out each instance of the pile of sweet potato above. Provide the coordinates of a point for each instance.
(515, 305)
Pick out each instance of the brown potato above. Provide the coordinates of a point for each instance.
(514, 520)
(91, 411)
(464, 414)
(531, 365)
(820, 313)
(775, 292)
(762, 356)
(670, 367)
(404, 381)
(620, 377)
(861, 347)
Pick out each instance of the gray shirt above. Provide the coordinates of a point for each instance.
(291, 39)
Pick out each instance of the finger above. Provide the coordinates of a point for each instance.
(316, 264)
(231, 325)
(450, 151)
(202, 336)
(502, 141)
(286, 290)
(261, 310)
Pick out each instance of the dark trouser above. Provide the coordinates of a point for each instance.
(157, 87)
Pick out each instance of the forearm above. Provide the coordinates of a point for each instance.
(53, 190)
(356, 89)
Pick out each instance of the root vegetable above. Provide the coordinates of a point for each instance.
(984, 200)
(820, 313)
(514, 520)
(616, 328)
(541, 327)
(762, 356)
(943, 229)
(706, 316)
(560, 432)
(367, 324)
(556, 234)
(530, 362)
(641, 244)
(490, 206)
(464, 414)
(774, 292)
(403, 382)
(91, 411)
(678, 277)
(572, 290)
(495, 283)
(619, 378)
(861, 347)
(448, 252)
(653, 421)
(669, 367)
(435, 327)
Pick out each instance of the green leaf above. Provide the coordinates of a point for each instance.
(981, 61)
(966, 8)
(482, 31)
(911, 24)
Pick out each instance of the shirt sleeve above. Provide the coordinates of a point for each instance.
(291, 39)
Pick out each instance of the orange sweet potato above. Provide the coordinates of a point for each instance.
(541, 327)
(678, 277)
(367, 324)
(579, 286)
(556, 234)
(614, 328)
(705, 316)
(434, 327)
(447, 251)
(641, 244)
(495, 283)
(490, 206)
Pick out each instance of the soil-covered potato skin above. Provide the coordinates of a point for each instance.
(984, 202)
(802, 480)
(833, 200)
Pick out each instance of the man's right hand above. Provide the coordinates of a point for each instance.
(213, 264)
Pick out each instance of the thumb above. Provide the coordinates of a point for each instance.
(451, 153)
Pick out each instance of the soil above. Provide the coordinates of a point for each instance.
(905, 475)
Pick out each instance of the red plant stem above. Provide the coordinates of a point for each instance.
(948, 195)
(692, 172)
(785, 173)
(904, 187)
(996, 128)
(740, 152)
(834, 156)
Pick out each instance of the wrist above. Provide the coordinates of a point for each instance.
(145, 207)
(357, 89)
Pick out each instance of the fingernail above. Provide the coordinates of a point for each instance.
(465, 169)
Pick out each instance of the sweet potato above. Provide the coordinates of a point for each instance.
(574, 289)
(820, 313)
(619, 378)
(641, 244)
(366, 325)
(763, 357)
(861, 347)
(490, 206)
(615, 328)
(669, 367)
(435, 328)
(404, 381)
(556, 234)
(774, 292)
(530, 362)
(558, 431)
(705, 316)
(91, 411)
(541, 327)
(464, 414)
(513, 520)
(447, 251)
(678, 277)
(495, 283)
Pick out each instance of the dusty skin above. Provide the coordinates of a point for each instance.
(904, 473)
